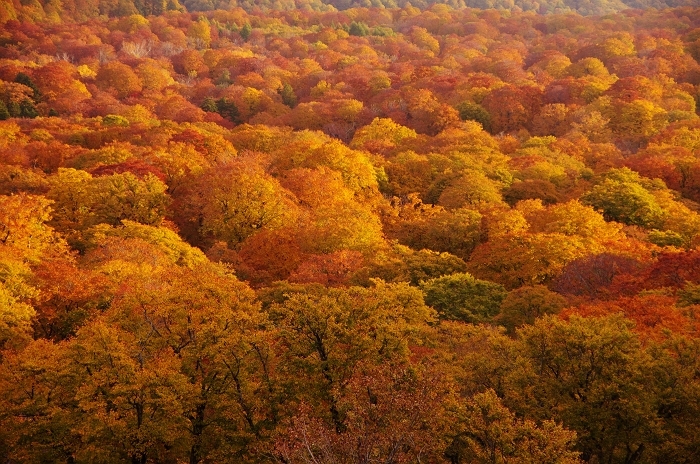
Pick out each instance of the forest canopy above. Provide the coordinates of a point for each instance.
(81, 10)
(292, 232)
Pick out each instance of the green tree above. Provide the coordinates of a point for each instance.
(14, 109)
(209, 105)
(470, 111)
(228, 110)
(4, 113)
(462, 297)
(359, 29)
(525, 304)
(289, 98)
(245, 31)
(27, 109)
(24, 79)
(625, 197)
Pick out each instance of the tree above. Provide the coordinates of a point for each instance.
(15, 316)
(4, 113)
(382, 136)
(125, 196)
(83, 201)
(359, 29)
(574, 219)
(190, 63)
(553, 119)
(206, 327)
(24, 233)
(675, 360)
(422, 226)
(331, 270)
(592, 375)
(402, 264)
(68, 296)
(525, 304)
(655, 317)
(209, 105)
(426, 115)
(227, 109)
(38, 391)
(470, 111)
(70, 191)
(200, 33)
(245, 31)
(289, 98)
(592, 276)
(462, 297)
(233, 201)
(531, 189)
(471, 189)
(623, 197)
(313, 150)
(514, 260)
(119, 79)
(395, 413)
(27, 109)
(269, 256)
(127, 394)
(511, 107)
(154, 76)
(24, 79)
(491, 434)
(638, 119)
(176, 364)
(60, 86)
(166, 240)
(671, 270)
(335, 220)
(330, 335)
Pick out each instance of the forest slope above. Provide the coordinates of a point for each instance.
(398, 235)
(81, 10)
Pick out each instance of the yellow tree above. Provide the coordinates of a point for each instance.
(525, 259)
(25, 241)
(233, 201)
(334, 219)
(329, 334)
(492, 434)
(382, 136)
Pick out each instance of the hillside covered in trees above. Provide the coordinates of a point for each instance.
(286, 233)
(81, 10)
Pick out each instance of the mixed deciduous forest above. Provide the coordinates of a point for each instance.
(349, 232)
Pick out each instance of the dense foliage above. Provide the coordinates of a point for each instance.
(377, 235)
(81, 10)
